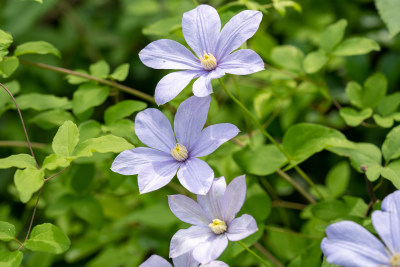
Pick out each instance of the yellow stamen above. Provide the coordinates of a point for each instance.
(208, 61)
(395, 261)
(179, 152)
(218, 226)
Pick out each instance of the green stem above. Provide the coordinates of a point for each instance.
(270, 138)
(254, 254)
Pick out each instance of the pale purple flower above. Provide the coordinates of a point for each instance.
(159, 163)
(185, 260)
(213, 219)
(349, 244)
(201, 28)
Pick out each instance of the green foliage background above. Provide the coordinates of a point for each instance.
(329, 95)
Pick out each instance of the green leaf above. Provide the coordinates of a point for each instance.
(38, 47)
(100, 69)
(163, 27)
(10, 259)
(353, 117)
(5, 99)
(66, 139)
(361, 154)
(391, 145)
(288, 57)
(20, 161)
(54, 161)
(89, 129)
(28, 181)
(123, 109)
(385, 122)
(389, 12)
(310, 256)
(356, 46)
(314, 61)
(121, 72)
(369, 97)
(262, 160)
(5, 40)
(103, 144)
(354, 93)
(123, 128)
(333, 35)
(8, 66)
(52, 118)
(48, 238)
(303, 140)
(374, 90)
(7, 231)
(389, 104)
(42, 102)
(338, 178)
(89, 95)
(391, 172)
(90, 210)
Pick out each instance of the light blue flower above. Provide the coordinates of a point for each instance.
(350, 245)
(201, 28)
(159, 163)
(213, 220)
(186, 260)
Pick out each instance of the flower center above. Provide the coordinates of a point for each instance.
(179, 152)
(219, 227)
(208, 61)
(395, 261)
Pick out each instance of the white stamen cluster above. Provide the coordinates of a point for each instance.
(208, 61)
(395, 261)
(179, 152)
(219, 227)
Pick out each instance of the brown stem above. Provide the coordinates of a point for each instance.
(23, 124)
(289, 179)
(120, 87)
(288, 205)
(47, 179)
(33, 215)
(9, 143)
(268, 254)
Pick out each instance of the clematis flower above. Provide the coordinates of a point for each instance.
(201, 28)
(159, 163)
(186, 260)
(213, 219)
(349, 244)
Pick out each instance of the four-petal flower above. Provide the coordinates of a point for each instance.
(213, 48)
(157, 165)
(213, 219)
(349, 244)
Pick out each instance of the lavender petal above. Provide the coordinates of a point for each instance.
(172, 84)
(130, 162)
(154, 130)
(154, 261)
(240, 28)
(211, 202)
(157, 175)
(187, 210)
(212, 137)
(350, 244)
(196, 176)
(234, 197)
(241, 227)
(190, 119)
(202, 86)
(168, 54)
(201, 27)
(242, 62)
(210, 249)
(186, 239)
